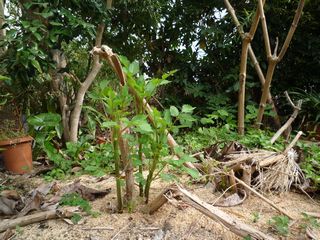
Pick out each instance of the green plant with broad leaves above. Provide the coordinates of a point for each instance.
(47, 131)
(148, 139)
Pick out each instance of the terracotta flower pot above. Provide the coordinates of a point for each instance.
(17, 154)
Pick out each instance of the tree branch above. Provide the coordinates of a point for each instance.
(292, 30)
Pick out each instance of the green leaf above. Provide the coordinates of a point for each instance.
(167, 177)
(45, 120)
(124, 61)
(166, 75)
(45, 14)
(144, 127)
(134, 67)
(55, 23)
(192, 172)
(37, 36)
(174, 111)
(36, 64)
(108, 124)
(187, 108)
(141, 124)
(4, 78)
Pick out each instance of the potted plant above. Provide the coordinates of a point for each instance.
(15, 147)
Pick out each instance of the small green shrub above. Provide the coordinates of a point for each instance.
(280, 224)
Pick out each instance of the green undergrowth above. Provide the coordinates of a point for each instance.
(205, 137)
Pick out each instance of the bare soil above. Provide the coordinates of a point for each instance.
(169, 222)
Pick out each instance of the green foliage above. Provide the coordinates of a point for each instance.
(98, 160)
(311, 163)
(310, 104)
(19, 230)
(205, 137)
(280, 224)
(74, 199)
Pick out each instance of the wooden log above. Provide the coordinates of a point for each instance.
(63, 212)
(158, 202)
(26, 220)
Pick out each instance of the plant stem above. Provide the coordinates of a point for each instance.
(116, 132)
(140, 166)
(152, 168)
(150, 176)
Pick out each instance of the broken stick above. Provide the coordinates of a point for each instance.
(233, 224)
(264, 198)
(296, 108)
(64, 212)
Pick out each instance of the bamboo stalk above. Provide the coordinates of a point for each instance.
(246, 177)
(232, 181)
(264, 29)
(292, 30)
(231, 223)
(273, 60)
(266, 90)
(242, 85)
(253, 59)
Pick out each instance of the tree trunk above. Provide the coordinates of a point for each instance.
(96, 66)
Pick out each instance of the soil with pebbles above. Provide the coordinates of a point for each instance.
(169, 222)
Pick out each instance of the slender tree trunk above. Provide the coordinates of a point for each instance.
(246, 39)
(96, 66)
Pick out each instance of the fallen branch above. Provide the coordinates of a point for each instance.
(293, 116)
(294, 141)
(26, 220)
(263, 198)
(233, 224)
